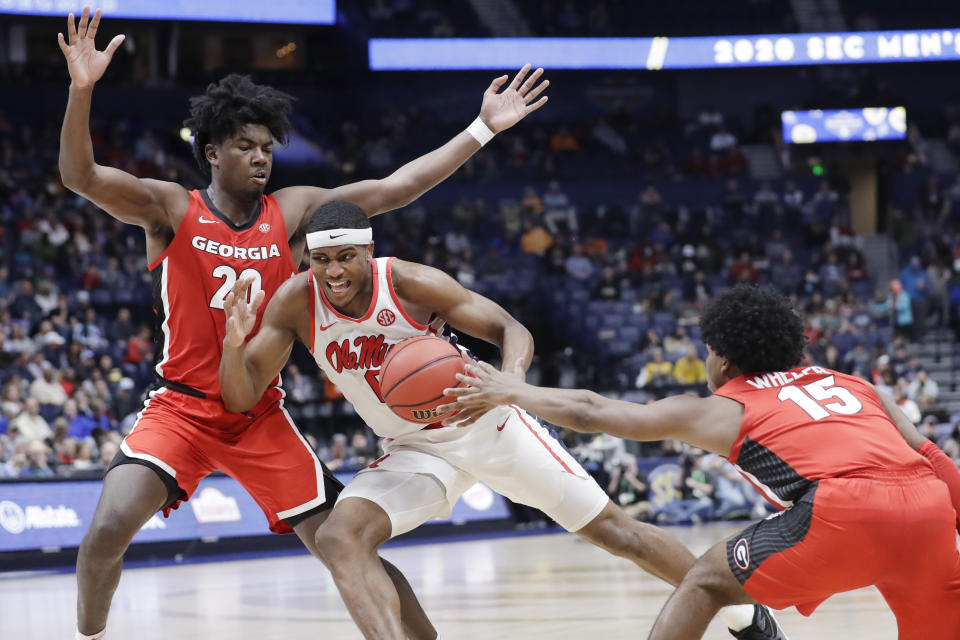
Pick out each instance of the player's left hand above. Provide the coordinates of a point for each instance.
(487, 387)
(502, 110)
(240, 308)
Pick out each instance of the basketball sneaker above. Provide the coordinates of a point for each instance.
(763, 627)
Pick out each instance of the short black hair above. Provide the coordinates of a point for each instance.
(229, 105)
(338, 214)
(755, 328)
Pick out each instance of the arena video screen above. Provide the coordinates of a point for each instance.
(844, 125)
(714, 52)
(275, 11)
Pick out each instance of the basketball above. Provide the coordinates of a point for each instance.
(414, 375)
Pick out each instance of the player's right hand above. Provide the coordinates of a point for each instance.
(85, 64)
(241, 311)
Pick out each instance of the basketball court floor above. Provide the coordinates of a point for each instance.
(531, 587)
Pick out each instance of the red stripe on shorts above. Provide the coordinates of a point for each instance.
(537, 436)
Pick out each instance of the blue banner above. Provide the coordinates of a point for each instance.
(843, 125)
(55, 515)
(665, 53)
(280, 11)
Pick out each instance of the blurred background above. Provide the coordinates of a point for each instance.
(809, 145)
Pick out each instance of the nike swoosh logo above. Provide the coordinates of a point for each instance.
(325, 327)
(500, 428)
(202, 221)
(337, 236)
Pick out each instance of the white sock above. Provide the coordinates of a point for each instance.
(737, 617)
(96, 636)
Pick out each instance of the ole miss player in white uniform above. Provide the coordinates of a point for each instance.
(348, 309)
(199, 243)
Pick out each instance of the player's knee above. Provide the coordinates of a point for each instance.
(338, 541)
(715, 582)
(109, 535)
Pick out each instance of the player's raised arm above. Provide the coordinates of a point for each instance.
(246, 368)
(499, 111)
(708, 423)
(125, 197)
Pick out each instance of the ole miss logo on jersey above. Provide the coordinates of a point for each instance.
(366, 352)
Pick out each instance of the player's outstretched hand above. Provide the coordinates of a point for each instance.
(85, 64)
(487, 387)
(503, 109)
(241, 311)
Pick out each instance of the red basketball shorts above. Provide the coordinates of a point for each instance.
(895, 530)
(187, 438)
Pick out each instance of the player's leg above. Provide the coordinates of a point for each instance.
(376, 506)
(295, 491)
(707, 587)
(545, 476)
(416, 624)
(131, 494)
(651, 548)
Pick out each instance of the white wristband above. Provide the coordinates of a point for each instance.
(480, 132)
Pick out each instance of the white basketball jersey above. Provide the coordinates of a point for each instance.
(351, 350)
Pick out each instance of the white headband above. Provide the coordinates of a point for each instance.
(336, 237)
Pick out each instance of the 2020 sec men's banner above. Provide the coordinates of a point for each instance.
(713, 52)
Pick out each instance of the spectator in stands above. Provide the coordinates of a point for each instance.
(337, 457)
(563, 141)
(855, 268)
(902, 310)
(89, 333)
(610, 286)
(766, 202)
(83, 461)
(108, 450)
(531, 204)
(30, 423)
(299, 386)
(729, 496)
(908, 406)
(696, 492)
(125, 401)
(677, 343)
(744, 271)
(923, 390)
(139, 346)
(121, 328)
(690, 369)
(536, 239)
(24, 304)
(38, 466)
(857, 359)
(628, 489)
(47, 388)
(578, 266)
(81, 425)
(656, 373)
(361, 451)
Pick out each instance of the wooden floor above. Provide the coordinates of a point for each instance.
(530, 587)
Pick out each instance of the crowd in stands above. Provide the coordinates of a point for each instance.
(610, 276)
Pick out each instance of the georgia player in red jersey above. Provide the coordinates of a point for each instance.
(199, 243)
(866, 499)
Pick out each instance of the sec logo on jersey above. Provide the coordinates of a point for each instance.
(265, 227)
(386, 318)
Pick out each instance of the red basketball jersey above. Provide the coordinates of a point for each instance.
(193, 276)
(806, 424)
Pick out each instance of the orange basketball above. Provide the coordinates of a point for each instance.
(414, 375)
